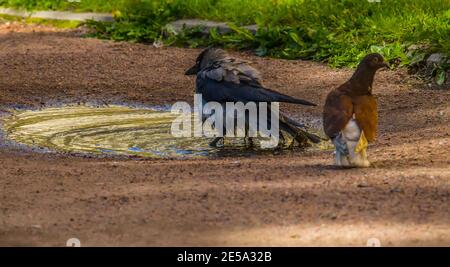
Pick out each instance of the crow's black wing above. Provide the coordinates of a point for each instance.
(228, 91)
(232, 70)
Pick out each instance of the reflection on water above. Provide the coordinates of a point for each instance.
(110, 130)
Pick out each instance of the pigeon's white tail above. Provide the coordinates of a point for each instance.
(351, 146)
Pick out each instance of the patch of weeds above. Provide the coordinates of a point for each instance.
(338, 32)
(62, 24)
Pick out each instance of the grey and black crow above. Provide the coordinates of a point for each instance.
(222, 78)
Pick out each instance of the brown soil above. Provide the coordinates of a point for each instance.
(291, 199)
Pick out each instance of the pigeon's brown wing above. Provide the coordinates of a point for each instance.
(338, 110)
(365, 108)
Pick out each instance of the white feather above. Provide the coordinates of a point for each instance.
(351, 146)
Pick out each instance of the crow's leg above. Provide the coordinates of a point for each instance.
(249, 142)
(217, 142)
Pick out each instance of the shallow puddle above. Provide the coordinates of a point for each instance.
(116, 130)
(112, 130)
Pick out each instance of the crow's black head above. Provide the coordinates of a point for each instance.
(205, 58)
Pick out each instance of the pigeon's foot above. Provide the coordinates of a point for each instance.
(360, 160)
(341, 160)
(361, 163)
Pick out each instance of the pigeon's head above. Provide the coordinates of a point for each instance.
(206, 58)
(373, 61)
(364, 74)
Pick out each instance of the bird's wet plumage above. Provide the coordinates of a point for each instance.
(222, 78)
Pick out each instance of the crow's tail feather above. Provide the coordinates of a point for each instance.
(274, 96)
(300, 135)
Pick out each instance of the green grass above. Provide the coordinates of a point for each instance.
(339, 32)
(62, 24)
(82, 5)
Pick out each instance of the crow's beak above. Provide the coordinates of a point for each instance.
(192, 70)
(385, 65)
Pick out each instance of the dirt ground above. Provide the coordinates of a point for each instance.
(290, 199)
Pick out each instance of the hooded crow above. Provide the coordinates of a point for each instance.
(222, 78)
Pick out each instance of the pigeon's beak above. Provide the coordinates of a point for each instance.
(192, 70)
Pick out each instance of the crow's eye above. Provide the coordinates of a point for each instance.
(375, 60)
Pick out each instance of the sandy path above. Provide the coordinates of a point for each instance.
(289, 199)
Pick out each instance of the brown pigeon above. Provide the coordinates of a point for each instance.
(350, 114)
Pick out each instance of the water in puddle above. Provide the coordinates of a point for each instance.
(107, 130)
(112, 129)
